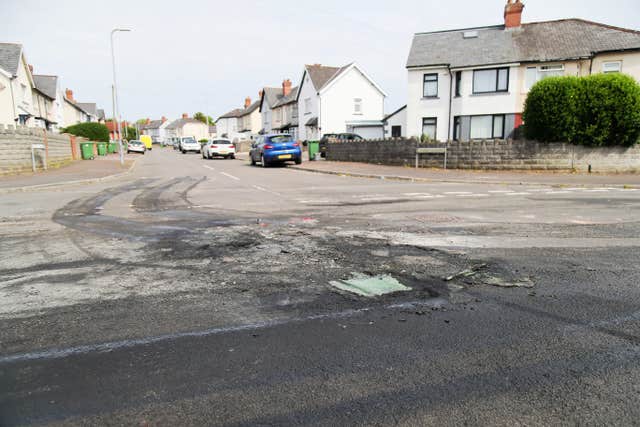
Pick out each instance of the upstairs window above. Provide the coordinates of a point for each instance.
(493, 80)
(430, 86)
(535, 74)
(307, 106)
(357, 106)
(612, 67)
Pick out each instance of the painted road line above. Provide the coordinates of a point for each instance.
(472, 195)
(266, 190)
(456, 193)
(230, 176)
(518, 194)
(500, 191)
(416, 194)
(208, 167)
(558, 192)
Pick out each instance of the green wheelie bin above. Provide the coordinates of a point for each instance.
(102, 148)
(111, 147)
(86, 149)
(314, 148)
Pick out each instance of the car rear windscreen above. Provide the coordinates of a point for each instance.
(281, 138)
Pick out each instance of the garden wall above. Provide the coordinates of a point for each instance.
(15, 149)
(490, 154)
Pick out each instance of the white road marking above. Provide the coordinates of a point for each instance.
(500, 191)
(416, 194)
(596, 190)
(230, 176)
(518, 194)
(472, 195)
(266, 190)
(558, 192)
(456, 193)
(208, 167)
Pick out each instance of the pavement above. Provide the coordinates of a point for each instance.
(456, 175)
(199, 292)
(79, 171)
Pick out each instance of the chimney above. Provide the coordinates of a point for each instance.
(260, 93)
(69, 94)
(148, 120)
(247, 102)
(513, 14)
(286, 87)
(185, 115)
(164, 119)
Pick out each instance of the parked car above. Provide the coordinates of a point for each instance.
(175, 142)
(136, 146)
(220, 147)
(278, 148)
(189, 143)
(339, 136)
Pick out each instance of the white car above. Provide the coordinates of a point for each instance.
(189, 143)
(219, 148)
(136, 147)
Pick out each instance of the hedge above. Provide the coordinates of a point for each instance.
(598, 110)
(91, 131)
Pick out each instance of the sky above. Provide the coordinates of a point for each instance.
(199, 55)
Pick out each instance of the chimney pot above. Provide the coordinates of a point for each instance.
(185, 115)
(513, 14)
(148, 120)
(69, 94)
(164, 119)
(31, 68)
(260, 94)
(247, 102)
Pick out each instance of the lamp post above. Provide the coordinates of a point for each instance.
(116, 109)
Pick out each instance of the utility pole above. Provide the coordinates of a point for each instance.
(116, 109)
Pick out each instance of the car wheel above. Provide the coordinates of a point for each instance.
(143, 153)
(184, 152)
(253, 161)
(298, 160)
(233, 156)
(128, 151)
(263, 162)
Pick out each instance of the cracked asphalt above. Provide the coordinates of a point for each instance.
(196, 292)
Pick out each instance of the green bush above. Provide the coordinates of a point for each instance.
(91, 131)
(203, 140)
(599, 110)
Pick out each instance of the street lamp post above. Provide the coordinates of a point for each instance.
(116, 109)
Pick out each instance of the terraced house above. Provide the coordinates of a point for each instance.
(279, 109)
(472, 83)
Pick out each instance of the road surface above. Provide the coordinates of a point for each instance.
(197, 292)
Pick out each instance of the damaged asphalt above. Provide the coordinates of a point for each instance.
(188, 298)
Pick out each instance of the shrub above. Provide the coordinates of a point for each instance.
(603, 109)
(91, 131)
(203, 140)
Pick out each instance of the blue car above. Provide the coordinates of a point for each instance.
(280, 148)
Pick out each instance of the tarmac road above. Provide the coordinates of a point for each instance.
(196, 292)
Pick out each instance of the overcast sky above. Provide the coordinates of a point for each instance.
(187, 56)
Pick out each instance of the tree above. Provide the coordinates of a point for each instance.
(203, 118)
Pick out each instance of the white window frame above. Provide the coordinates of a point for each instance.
(357, 106)
(617, 64)
(542, 72)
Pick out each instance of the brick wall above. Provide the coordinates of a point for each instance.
(15, 149)
(490, 154)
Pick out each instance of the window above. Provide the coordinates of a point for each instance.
(357, 106)
(457, 127)
(458, 83)
(487, 127)
(430, 86)
(294, 112)
(494, 80)
(535, 74)
(396, 131)
(429, 127)
(24, 92)
(612, 67)
(307, 106)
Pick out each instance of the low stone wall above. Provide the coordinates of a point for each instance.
(15, 149)
(490, 154)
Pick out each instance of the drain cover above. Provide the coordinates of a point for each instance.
(370, 286)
